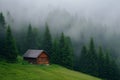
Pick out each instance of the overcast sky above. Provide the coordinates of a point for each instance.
(37, 11)
(32, 8)
(59, 12)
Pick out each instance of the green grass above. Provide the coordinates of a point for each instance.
(40, 72)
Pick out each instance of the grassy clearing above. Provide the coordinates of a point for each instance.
(39, 72)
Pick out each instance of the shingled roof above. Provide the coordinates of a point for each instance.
(33, 53)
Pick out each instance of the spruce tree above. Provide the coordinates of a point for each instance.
(55, 52)
(101, 63)
(2, 21)
(83, 60)
(107, 66)
(92, 57)
(2, 35)
(69, 53)
(115, 71)
(66, 52)
(29, 38)
(36, 42)
(112, 71)
(61, 47)
(47, 41)
(11, 51)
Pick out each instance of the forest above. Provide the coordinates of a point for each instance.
(92, 60)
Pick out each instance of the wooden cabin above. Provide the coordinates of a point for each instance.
(36, 57)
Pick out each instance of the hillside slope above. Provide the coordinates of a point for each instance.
(38, 72)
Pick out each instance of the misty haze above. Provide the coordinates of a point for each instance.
(68, 30)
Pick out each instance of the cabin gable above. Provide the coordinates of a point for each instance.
(36, 57)
(43, 58)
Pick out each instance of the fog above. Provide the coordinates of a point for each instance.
(79, 19)
(102, 11)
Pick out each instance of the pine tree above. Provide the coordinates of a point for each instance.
(11, 51)
(2, 35)
(66, 52)
(69, 53)
(36, 42)
(115, 73)
(83, 61)
(2, 21)
(29, 38)
(112, 71)
(107, 66)
(101, 63)
(47, 41)
(55, 52)
(61, 47)
(92, 57)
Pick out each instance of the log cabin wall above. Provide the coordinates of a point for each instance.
(31, 60)
(43, 58)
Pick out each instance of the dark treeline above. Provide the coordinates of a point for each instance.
(96, 62)
(8, 48)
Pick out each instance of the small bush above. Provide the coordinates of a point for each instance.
(21, 61)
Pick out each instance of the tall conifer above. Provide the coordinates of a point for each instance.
(29, 38)
(2, 35)
(47, 40)
(92, 57)
(55, 52)
(83, 61)
(11, 51)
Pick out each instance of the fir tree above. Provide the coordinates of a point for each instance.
(83, 61)
(65, 52)
(104, 66)
(92, 57)
(115, 71)
(2, 35)
(107, 66)
(10, 47)
(2, 21)
(101, 63)
(61, 47)
(36, 42)
(112, 71)
(69, 53)
(55, 52)
(47, 41)
(29, 38)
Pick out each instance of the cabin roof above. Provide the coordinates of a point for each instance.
(33, 53)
